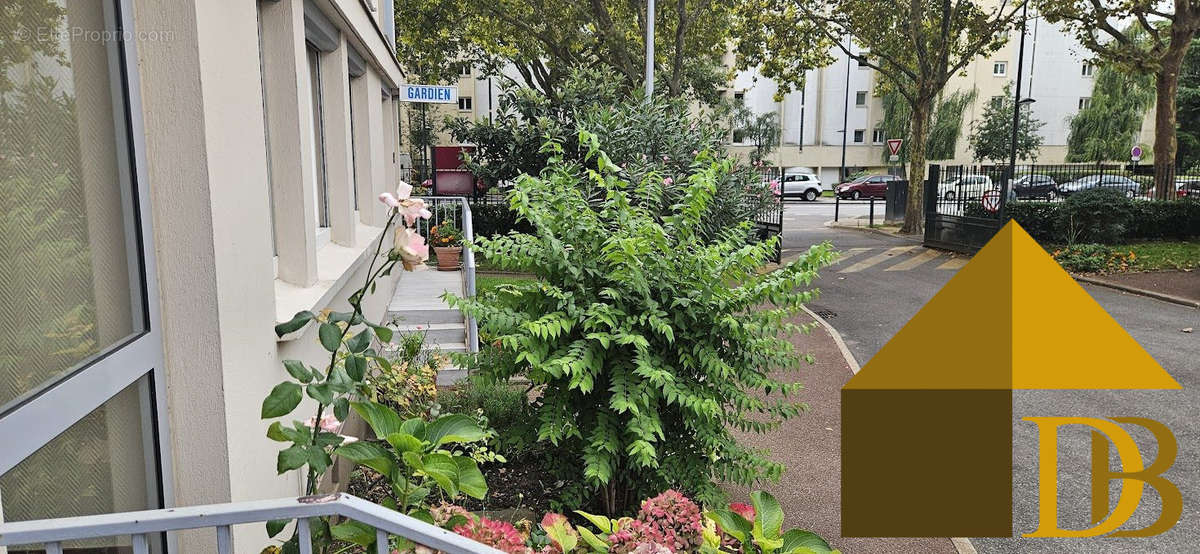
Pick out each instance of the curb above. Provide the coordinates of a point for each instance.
(1138, 291)
(961, 544)
(836, 225)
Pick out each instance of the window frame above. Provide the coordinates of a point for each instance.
(1002, 65)
(878, 135)
(860, 94)
(860, 136)
(39, 416)
(467, 106)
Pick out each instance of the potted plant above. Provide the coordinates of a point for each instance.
(447, 242)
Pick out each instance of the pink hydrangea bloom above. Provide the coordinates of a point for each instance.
(743, 509)
(444, 512)
(668, 181)
(500, 535)
(669, 520)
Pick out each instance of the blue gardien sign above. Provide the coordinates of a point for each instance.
(429, 93)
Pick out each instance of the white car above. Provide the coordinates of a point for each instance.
(804, 185)
(967, 186)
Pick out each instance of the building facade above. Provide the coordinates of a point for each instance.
(175, 178)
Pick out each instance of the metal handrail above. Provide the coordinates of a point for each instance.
(463, 219)
(138, 525)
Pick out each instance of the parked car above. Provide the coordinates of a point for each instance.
(804, 185)
(967, 186)
(1124, 184)
(867, 186)
(1187, 187)
(1035, 186)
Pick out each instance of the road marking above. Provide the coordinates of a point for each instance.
(849, 253)
(915, 260)
(878, 258)
(954, 263)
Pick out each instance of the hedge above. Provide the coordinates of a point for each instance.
(1106, 219)
(491, 219)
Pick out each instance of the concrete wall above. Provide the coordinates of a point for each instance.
(207, 152)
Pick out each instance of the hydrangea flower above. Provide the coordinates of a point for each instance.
(500, 535)
(668, 520)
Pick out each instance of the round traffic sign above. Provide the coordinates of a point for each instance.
(1135, 153)
(991, 201)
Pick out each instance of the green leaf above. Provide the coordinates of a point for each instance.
(404, 442)
(341, 408)
(331, 336)
(354, 532)
(602, 523)
(277, 432)
(296, 369)
(415, 427)
(593, 541)
(290, 458)
(382, 419)
(796, 539)
(383, 332)
(416, 495)
(356, 368)
(369, 454)
(297, 322)
(283, 399)
(320, 392)
(768, 515)
(275, 526)
(470, 480)
(359, 342)
(318, 458)
(733, 524)
(442, 469)
(453, 428)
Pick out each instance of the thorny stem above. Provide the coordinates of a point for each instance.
(356, 302)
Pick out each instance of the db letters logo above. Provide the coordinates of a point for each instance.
(927, 425)
(1134, 474)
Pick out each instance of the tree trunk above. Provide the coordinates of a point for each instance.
(1167, 87)
(914, 212)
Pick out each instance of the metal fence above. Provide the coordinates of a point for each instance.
(147, 527)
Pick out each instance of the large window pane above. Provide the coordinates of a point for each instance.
(69, 288)
(101, 464)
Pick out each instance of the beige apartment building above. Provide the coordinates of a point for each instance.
(175, 178)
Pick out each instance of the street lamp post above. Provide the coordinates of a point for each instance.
(649, 48)
(846, 107)
(1005, 184)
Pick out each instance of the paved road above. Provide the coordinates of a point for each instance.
(873, 293)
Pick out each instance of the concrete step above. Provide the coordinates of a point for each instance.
(437, 332)
(450, 375)
(424, 316)
(446, 347)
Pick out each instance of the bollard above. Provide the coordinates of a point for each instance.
(871, 212)
(836, 204)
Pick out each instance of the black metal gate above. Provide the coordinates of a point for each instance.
(956, 215)
(769, 223)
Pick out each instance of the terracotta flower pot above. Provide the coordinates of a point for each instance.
(447, 257)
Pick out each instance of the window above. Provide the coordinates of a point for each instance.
(996, 101)
(859, 134)
(464, 103)
(860, 98)
(317, 132)
(76, 416)
(464, 70)
(739, 97)
(878, 136)
(1085, 102)
(1088, 69)
(862, 59)
(1000, 69)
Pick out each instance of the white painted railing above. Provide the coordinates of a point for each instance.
(141, 526)
(460, 213)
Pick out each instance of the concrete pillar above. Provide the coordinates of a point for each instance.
(376, 130)
(339, 163)
(364, 156)
(391, 140)
(289, 108)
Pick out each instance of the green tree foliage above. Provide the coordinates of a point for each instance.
(545, 40)
(661, 136)
(649, 344)
(916, 47)
(1143, 37)
(761, 130)
(992, 139)
(1109, 126)
(1188, 112)
(944, 129)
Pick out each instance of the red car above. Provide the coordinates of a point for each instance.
(866, 186)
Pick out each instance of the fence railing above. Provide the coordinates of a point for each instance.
(457, 210)
(141, 527)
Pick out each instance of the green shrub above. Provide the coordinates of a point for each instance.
(488, 220)
(1177, 219)
(1092, 258)
(1096, 215)
(1173, 219)
(1040, 219)
(503, 405)
(648, 344)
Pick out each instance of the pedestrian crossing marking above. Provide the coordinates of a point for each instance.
(954, 263)
(849, 253)
(878, 258)
(915, 260)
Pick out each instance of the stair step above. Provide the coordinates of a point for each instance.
(437, 332)
(450, 376)
(424, 317)
(446, 346)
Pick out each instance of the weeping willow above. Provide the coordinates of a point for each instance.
(1106, 129)
(944, 129)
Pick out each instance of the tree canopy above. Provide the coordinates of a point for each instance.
(1105, 129)
(991, 139)
(945, 127)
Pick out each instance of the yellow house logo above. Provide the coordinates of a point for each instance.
(929, 420)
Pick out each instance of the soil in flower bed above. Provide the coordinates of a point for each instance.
(521, 485)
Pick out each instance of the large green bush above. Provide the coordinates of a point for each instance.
(1048, 221)
(1096, 215)
(649, 344)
